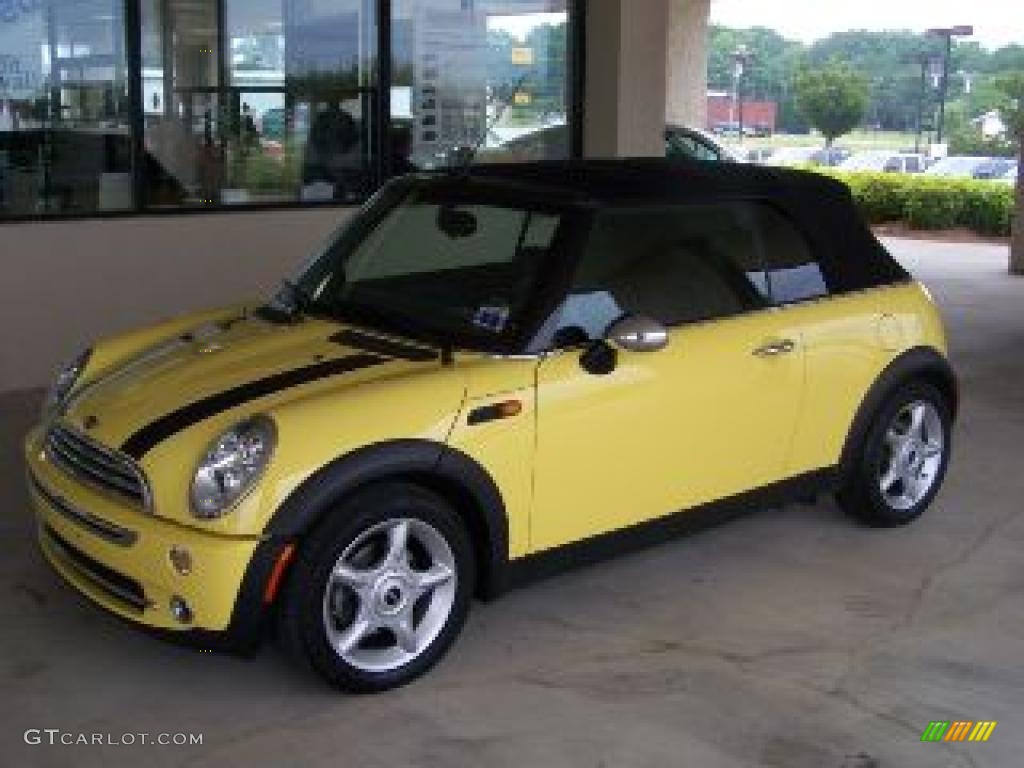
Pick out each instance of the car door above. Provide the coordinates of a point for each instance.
(708, 417)
(840, 337)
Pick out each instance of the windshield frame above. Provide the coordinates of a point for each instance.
(544, 288)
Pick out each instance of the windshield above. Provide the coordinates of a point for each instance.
(444, 263)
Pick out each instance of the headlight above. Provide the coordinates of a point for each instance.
(66, 380)
(231, 466)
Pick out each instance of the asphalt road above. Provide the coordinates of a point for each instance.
(790, 637)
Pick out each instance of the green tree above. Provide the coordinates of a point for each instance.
(1013, 86)
(833, 98)
(888, 60)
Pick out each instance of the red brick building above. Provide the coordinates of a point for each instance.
(722, 109)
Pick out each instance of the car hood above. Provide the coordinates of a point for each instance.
(247, 359)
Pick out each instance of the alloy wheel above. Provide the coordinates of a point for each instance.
(389, 594)
(914, 446)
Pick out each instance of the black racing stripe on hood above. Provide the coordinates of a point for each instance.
(147, 438)
(381, 346)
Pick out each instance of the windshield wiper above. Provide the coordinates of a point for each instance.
(291, 301)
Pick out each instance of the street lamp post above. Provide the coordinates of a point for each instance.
(924, 60)
(968, 78)
(741, 57)
(947, 34)
(920, 102)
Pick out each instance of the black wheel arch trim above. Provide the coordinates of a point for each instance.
(918, 363)
(445, 470)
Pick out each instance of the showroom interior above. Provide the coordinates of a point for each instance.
(159, 157)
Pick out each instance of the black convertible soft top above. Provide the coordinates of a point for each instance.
(822, 208)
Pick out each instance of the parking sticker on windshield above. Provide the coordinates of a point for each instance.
(493, 319)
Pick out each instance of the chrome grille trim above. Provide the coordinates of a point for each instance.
(96, 465)
(104, 529)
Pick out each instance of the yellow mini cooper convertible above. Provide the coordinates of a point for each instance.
(484, 375)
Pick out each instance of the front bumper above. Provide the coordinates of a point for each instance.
(119, 557)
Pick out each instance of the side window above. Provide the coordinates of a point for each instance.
(678, 264)
(793, 273)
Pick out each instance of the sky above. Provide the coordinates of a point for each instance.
(996, 22)
(520, 25)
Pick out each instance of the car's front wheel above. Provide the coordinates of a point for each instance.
(381, 589)
(903, 461)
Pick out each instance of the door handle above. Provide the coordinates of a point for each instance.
(775, 348)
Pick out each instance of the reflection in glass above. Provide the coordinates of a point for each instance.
(266, 101)
(64, 136)
(479, 79)
(275, 109)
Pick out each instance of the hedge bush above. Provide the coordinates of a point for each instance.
(924, 202)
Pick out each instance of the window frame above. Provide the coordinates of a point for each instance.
(379, 150)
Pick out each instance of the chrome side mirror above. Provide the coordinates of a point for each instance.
(637, 333)
(631, 333)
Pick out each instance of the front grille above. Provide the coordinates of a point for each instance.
(95, 464)
(115, 534)
(127, 592)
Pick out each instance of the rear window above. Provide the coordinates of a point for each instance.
(794, 275)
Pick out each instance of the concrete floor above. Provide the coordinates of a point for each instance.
(789, 638)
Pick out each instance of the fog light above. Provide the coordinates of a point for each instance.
(181, 560)
(180, 610)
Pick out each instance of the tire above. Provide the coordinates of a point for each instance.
(368, 612)
(901, 465)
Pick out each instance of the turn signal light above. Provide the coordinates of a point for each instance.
(503, 410)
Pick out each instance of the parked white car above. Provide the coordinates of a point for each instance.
(793, 156)
(957, 167)
(885, 161)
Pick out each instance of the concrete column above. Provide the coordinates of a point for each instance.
(625, 88)
(687, 62)
(1017, 241)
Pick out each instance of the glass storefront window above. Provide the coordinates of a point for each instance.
(131, 105)
(275, 109)
(65, 143)
(479, 79)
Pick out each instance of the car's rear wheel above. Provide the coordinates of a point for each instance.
(903, 460)
(381, 589)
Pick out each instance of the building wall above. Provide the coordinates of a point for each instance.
(686, 62)
(625, 79)
(723, 109)
(66, 283)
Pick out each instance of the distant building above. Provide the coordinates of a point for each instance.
(758, 116)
